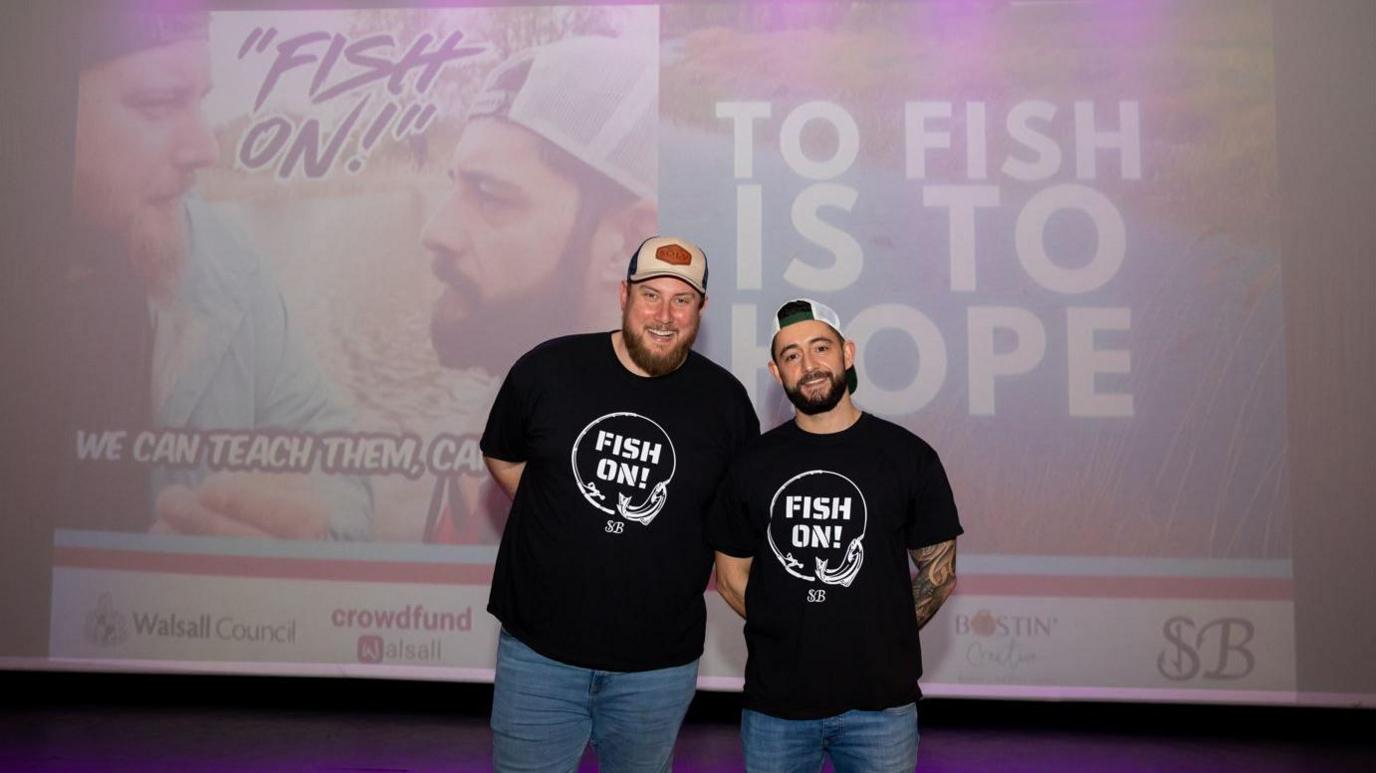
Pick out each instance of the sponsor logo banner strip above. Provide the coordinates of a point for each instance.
(1084, 586)
(353, 551)
(270, 567)
(1080, 586)
(1118, 566)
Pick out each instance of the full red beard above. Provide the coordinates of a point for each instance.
(157, 243)
(649, 361)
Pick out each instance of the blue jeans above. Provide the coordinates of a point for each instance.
(859, 741)
(544, 713)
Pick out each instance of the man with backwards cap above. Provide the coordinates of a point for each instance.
(554, 181)
(813, 529)
(612, 445)
(166, 319)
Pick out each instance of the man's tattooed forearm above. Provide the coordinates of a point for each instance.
(936, 578)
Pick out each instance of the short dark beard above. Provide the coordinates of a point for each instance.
(495, 335)
(824, 402)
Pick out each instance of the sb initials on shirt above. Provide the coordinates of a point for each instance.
(614, 527)
(816, 596)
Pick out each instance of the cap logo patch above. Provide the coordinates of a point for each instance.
(674, 255)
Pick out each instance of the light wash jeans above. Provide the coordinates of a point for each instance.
(544, 713)
(857, 742)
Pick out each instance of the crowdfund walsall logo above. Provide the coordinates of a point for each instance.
(623, 463)
(817, 527)
(107, 626)
(400, 623)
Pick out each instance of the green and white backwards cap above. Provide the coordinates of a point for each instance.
(804, 310)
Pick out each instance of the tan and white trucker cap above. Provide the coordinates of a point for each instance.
(596, 98)
(669, 256)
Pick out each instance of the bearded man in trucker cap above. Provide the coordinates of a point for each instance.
(612, 445)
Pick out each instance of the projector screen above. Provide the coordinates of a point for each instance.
(1052, 230)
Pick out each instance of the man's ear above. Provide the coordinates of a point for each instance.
(849, 351)
(774, 371)
(617, 235)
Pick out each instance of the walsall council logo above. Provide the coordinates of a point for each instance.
(817, 527)
(105, 626)
(623, 463)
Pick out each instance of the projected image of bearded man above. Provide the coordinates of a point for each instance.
(167, 318)
(142, 139)
(544, 205)
(539, 218)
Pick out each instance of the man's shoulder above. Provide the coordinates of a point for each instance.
(768, 445)
(898, 436)
(783, 433)
(576, 344)
(716, 375)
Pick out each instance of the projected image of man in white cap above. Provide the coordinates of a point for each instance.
(554, 179)
(554, 182)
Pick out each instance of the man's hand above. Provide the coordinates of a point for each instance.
(733, 574)
(257, 504)
(507, 474)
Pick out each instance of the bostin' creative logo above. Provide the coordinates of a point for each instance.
(1000, 644)
(986, 623)
(623, 463)
(105, 626)
(817, 527)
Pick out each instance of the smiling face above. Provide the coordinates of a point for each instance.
(140, 138)
(659, 322)
(810, 362)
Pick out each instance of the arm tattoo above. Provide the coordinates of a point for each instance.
(936, 578)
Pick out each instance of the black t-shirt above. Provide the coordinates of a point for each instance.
(603, 561)
(828, 519)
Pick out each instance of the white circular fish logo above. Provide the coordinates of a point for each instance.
(623, 463)
(817, 527)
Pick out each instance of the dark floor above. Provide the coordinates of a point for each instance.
(107, 722)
